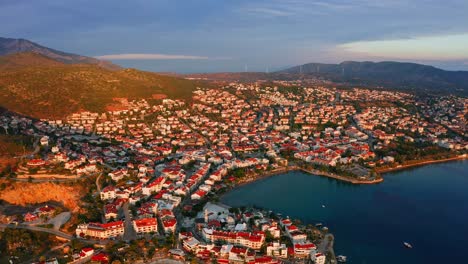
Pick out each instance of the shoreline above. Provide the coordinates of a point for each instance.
(265, 175)
(380, 179)
(330, 247)
(341, 178)
(282, 170)
(420, 163)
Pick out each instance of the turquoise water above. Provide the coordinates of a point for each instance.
(425, 206)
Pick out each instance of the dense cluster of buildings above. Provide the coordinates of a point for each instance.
(164, 158)
(246, 232)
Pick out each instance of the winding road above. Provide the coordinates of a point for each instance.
(39, 229)
(51, 231)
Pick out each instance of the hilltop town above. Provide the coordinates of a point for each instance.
(156, 168)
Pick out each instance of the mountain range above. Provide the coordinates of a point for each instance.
(397, 75)
(413, 77)
(45, 83)
(11, 46)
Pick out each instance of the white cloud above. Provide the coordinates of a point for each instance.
(150, 56)
(335, 6)
(268, 11)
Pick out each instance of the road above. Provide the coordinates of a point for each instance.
(51, 231)
(60, 220)
(52, 179)
(129, 233)
(370, 140)
(166, 261)
(40, 229)
(98, 185)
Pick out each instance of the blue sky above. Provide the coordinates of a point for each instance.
(226, 35)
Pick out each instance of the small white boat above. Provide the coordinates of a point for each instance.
(318, 224)
(323, 206)
(408, 245)
(341, 258)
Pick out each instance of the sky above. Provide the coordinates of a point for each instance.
(239, 35)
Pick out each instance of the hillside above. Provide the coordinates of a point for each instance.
(12, 46)
(12, 146)
(411, 76)
(26, 59)
(54, 90)
(34, 193)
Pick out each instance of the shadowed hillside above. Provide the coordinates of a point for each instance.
(12, 46)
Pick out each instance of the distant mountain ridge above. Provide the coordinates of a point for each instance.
(11, 46)
(389, 74)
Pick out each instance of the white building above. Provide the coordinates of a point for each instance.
(108, 193)
(318, 258)
(100, 231)
(276, 249)
(44, 141)
(145, 225)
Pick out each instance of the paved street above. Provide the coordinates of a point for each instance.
(59, 220)
(98, 184)
(52, 231)
(129, 233)
(166, 261)
(40, 229)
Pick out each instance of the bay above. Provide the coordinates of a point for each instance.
(425, 206)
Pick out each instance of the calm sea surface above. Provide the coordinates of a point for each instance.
(425, 206)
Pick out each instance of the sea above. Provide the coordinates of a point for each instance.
(424, 206)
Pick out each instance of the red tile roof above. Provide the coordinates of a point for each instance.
(145, 222)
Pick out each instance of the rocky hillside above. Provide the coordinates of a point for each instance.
(22, 193)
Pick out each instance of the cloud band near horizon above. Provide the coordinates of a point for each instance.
(150, 56)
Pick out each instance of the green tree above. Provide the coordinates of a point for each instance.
(269, 237)
(170, 239)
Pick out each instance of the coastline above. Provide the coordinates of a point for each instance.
(265, 175)
(341, 178)
(421, 163)
(379, 171)
(282, 170)
(298, 196)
